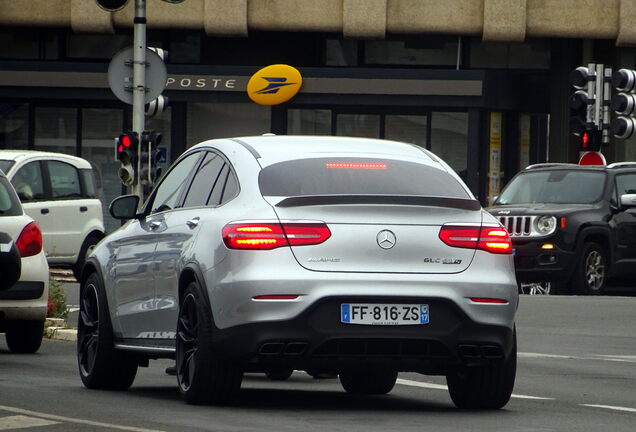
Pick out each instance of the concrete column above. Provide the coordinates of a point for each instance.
(225, 17)
(86, 16)
(364, 19)
(505, 20)
(626, 21)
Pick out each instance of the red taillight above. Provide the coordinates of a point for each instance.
(29, 242)
(268, 235)
(491, 239)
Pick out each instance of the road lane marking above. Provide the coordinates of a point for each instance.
(609, 407)
(597, 357)
(443, 387)
(57, 418)
(22, 422)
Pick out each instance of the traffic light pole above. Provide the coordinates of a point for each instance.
(139, 84)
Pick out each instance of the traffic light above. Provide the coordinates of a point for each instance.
(150, 170)
(111, 5)
(582, 102)
(127, 148)
(590, 140)
(624, 103)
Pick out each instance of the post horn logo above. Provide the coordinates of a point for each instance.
(274, 84)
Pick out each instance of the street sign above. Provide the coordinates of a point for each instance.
(592, 158)
(120, 75)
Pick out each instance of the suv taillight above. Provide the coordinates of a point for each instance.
(29, 242)
(271, 235)
(489, 238)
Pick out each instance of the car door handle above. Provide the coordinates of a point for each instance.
(154, 225)
(193, 223)
(83, 209)
(44, 211)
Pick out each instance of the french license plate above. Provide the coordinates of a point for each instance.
(383, 314)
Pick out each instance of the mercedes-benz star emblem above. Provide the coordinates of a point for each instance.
(386, 239)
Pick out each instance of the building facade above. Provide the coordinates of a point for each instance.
(482, 83)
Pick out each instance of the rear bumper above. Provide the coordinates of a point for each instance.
(534, 264)
(317, 341)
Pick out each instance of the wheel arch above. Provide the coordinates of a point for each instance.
(192, 273)
(600, 236)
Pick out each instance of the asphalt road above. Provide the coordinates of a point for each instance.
(576, 372)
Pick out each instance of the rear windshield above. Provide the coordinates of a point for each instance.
(5, 165)
(556, 187)
(9, 203)
(357, 176)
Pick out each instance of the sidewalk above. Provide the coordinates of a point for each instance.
(64, 329)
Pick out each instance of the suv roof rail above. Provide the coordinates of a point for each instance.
(548, 164)
(622, 165)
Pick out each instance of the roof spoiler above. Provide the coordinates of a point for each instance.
(309, 200)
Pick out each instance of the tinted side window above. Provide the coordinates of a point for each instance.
(231, 189)
(28, 182)
(9, 204)
(65, 181)
(626, 184)
(88, 179)
(173, 184)
(217, 190)
(204, 180)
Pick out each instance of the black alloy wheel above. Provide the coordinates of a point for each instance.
(202, 377)
(484, 387)
(101, 366)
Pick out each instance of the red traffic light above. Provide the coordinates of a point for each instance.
(585, 139)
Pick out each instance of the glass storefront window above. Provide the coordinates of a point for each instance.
(529, 55)
(99, 128)
(449, 139)
(341, 52)
(422, 51)
(358, 125)
(14, 126)
(56, 129)
(222, 120)
(406, 128)
(308, 122)
(96, 46)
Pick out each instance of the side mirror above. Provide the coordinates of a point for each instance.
(628, 200)
(124, 207)
(10, 262)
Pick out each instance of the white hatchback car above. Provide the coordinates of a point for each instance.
(61, 193)
(23, 305)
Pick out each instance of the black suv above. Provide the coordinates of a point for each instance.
(572, 226)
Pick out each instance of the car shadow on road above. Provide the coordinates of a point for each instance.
(260, 393)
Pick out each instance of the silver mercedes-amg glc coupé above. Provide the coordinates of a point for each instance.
(333, 255)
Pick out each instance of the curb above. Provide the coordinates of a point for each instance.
(56, 328)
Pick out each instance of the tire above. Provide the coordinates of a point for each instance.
(590, 276)
(85, 250)
(202, 377)
(374, 381)
(279, 375)
(24, 337)
(101, 366)
(485, 387)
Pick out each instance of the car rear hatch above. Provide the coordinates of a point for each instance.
(388, 238)
(383, 215)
